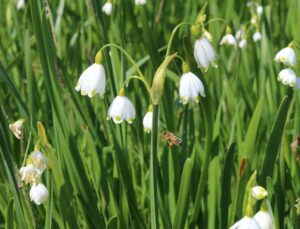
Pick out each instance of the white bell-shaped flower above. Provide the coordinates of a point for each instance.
(17, 128)
(107, 8)
(256, 36)
(287, 77)
(246, 223)
(121, 109)
(259, 10)
(190, 87)
(243, 43)
(259, 192)
(38, 194)
(286, 56)
(147, 122)
(92, 80)
(140, 2)
(39, 161)
(228, 39)
(204, 53)
(264, 220)
(29, 174)
(20, 4)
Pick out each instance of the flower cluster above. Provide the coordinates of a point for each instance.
(93, 79)
(31, 174)
(287, 76)
(240, 38)
(263, 219)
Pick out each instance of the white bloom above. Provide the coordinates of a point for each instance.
(190, 87)
(121, 108)
(38, 194)
(253, 19)
(264, 220)
(92, 81)
(29, 174)
(204, 53)
(287, 77)
(228, 39)
(243, 43)
(259, 10)
(107, 8)
(246, 223)
(39, 161)
(17, 127)
(286, 56)
(259, 192)
(147, 122)
(20, 4)
(140, 2)
(256, 36)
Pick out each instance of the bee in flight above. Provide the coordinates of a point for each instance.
(170, 138)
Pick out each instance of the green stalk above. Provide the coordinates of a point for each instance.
(49, 207)
(153, 169)
(203, 179)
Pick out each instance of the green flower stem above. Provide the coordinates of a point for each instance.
(49, 206)
(173, 35)
(208, 147)
(215, 19)
(126, 82)
(153, 170)
(127, 55)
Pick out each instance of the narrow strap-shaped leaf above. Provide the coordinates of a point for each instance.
(183, 196)
(274, 141)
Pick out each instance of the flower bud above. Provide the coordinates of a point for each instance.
(159, 80)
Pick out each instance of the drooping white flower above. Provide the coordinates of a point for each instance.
(147, 122)
(256, 36)
(17, 128)
(92, 81)
(190, 87)
(264, 220)
(38, 193)
(286, 56)
(246, 223)
(121, 109)
(259, 192)
(39, 161)
(204, 53)
(29, 174)
(243, 43)
(228, 39)
(107, 8)
(20, 4)
(259, 10)
(287, 77)
(140, 2)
